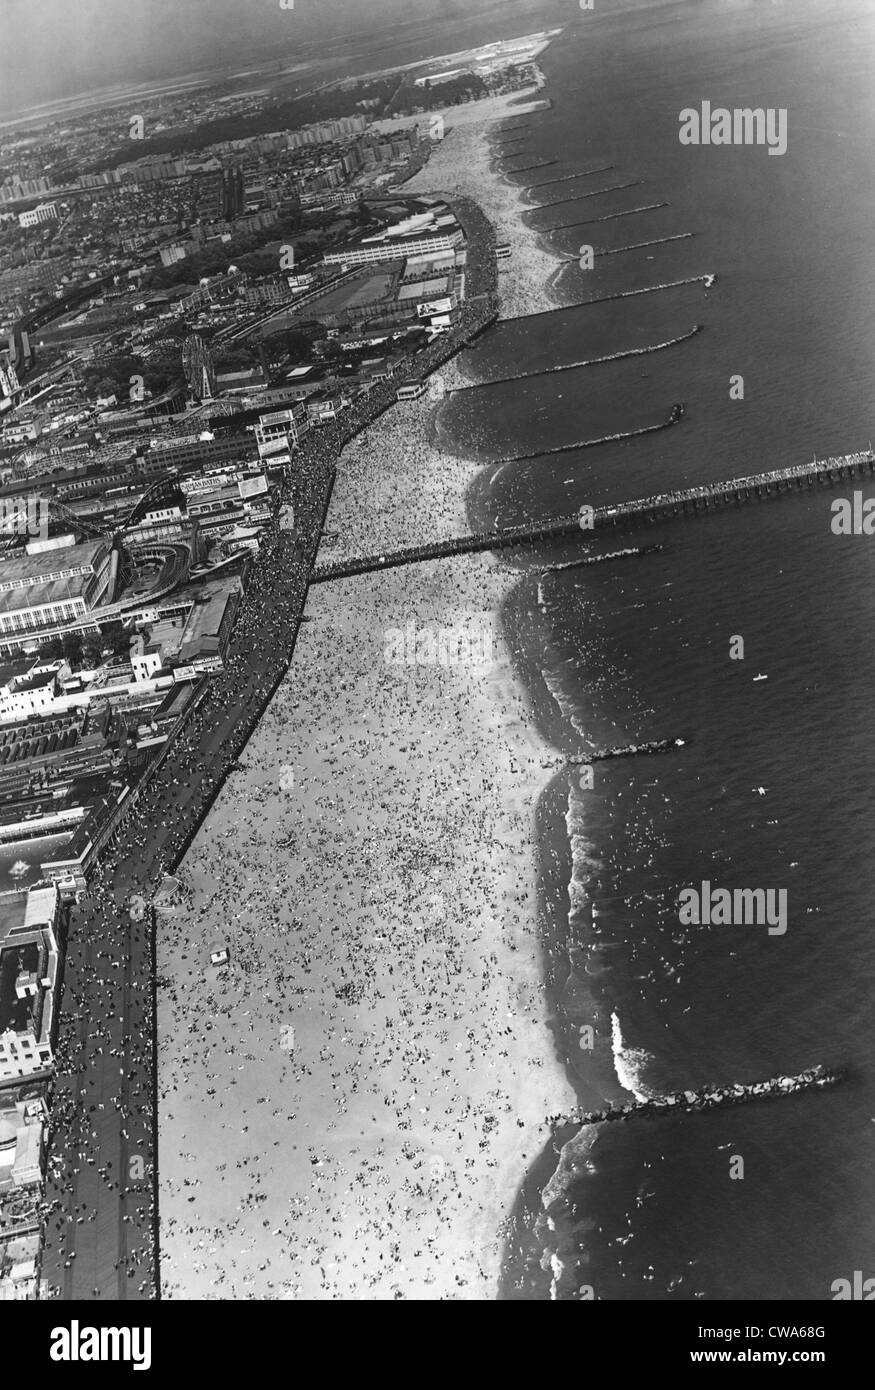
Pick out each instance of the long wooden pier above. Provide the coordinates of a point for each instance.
(662, 507)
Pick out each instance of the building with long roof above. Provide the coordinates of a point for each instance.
(53, 585)
(29, 964)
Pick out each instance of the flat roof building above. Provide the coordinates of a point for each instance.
(53, 586)
(286, 426)
(208, 630)
(29, 959)
(22, 1143)
(372, 253)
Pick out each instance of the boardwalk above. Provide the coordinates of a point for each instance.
(101, 1234)
(663, 506)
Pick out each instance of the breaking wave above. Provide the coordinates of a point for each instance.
(629, 1063)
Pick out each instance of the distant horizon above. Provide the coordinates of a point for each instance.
(54, 55)
(107, 94)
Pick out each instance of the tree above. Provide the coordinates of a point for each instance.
(71, 648)
(91, 650)
(298, 345)
(115, 636)
(236, 357)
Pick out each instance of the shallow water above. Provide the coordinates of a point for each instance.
(773, 786)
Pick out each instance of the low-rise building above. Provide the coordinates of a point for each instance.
(146, 663)
(19, 1264)
(33, 691)
(208, 631)
(22, 1142)
(29, 962)
(54, 586)
(289, 426)
(322, 409)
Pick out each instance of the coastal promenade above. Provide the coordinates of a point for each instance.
(100, 1237)
(101, 1228)
(660, 507)
(377, 1156)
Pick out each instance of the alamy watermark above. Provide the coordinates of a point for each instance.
(852, 516)
(20, 516)
(859, 1289)
(742, 125)
(468, 644)
(77, 1343)
(734, 907)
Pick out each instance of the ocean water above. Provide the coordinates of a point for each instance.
(774, 785)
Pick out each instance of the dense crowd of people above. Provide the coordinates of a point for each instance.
(105, 1091)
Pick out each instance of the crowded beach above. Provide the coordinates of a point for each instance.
(348, 1107)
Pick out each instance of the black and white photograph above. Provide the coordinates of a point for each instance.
(437, 771)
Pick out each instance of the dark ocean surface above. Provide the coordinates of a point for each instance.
(774, 787)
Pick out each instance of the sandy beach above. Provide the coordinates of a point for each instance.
(463, 163)
(348, 1110)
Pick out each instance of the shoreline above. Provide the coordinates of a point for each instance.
(491, 1009)
(537, 1250)
(389, 873)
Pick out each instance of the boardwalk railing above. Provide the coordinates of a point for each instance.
(686, 501)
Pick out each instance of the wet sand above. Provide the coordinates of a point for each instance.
(349, 1109)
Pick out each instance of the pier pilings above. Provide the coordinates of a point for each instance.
(686, 502)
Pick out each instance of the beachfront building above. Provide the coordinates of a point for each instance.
(411, 391)
(435, 232)
(207, 633)
(287, 427)
(29, 960)
(222, 509)
(22, 1142)
(53, 586)
(323, 409)
(371, 253)
(19, 1264)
